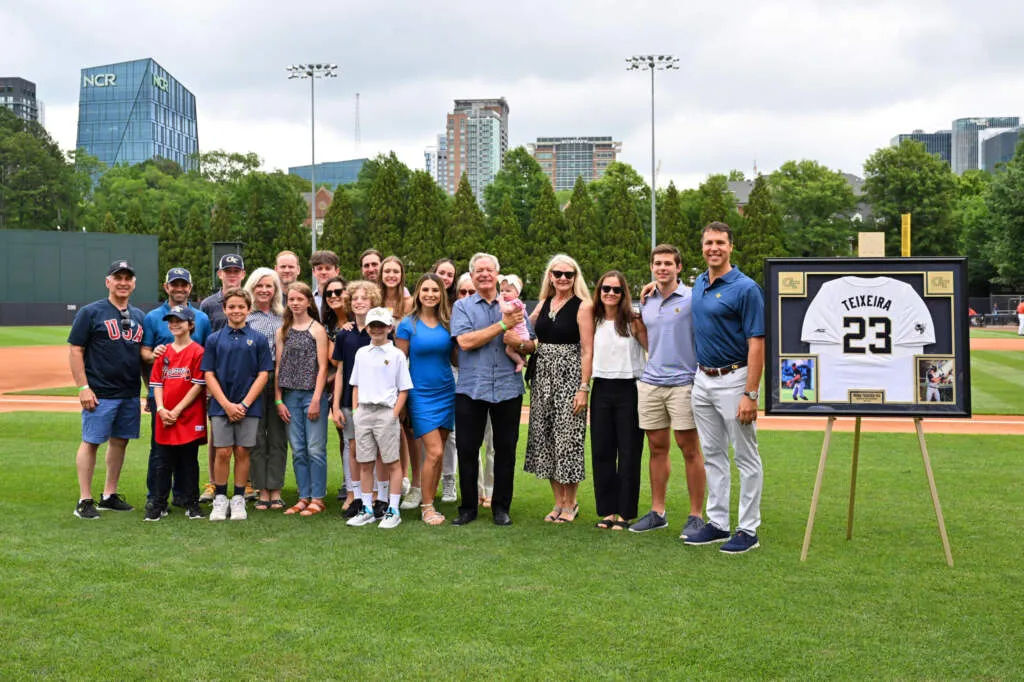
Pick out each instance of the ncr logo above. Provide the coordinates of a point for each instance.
(160, 82)
(99, 80)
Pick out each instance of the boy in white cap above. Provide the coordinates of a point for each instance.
(380, 385)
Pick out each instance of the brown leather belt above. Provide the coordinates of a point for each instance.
(721, 371)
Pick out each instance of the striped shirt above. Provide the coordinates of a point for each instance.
(266, 324)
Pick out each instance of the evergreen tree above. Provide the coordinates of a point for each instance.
(108, 224)
(134, 221)
(1005, 200)
(169, 250)
(673, 227)
(387, 205)
(509, 243)
(761, 235)
(221, 222)
(467, 234)
(582, 227)
(196, 250)
(343, 235)
(622, 236)
(545, 237)
(716, 201)
(522, 180)
(426, 226)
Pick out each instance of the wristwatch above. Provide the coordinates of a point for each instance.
(753, 395)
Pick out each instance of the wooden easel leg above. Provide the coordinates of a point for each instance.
(817, 488)
(853, 478)
(934, 492)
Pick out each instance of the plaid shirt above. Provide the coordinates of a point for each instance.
(266, 324)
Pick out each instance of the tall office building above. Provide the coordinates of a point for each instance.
(134, 111)
(965, 139)
(19, 95)
(435, 160)
(996, 146)
(564, 159)
(331, 173)
(476, 140)
(940, 142)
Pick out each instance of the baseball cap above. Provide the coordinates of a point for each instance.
(381, 315)
(178, 273)
(180, 312)
(230, 260)
(118, 266)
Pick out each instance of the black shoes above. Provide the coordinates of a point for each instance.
(86, 509)
(463, 518)
(114, 503)
(353, 509)
(501, 518)
(379, 507)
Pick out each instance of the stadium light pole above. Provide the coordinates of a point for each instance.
(312, 72)
(652, 62)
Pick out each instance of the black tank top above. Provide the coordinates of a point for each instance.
(563, 328)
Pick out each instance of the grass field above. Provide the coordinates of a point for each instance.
(284, 598)
(33, 336)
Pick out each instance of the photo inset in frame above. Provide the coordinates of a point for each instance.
(936, 379)
(798, 380)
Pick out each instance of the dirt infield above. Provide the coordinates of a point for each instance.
(35, 367)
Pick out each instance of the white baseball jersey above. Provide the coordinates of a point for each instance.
(865, 332)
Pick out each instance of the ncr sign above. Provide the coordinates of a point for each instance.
(99, 80)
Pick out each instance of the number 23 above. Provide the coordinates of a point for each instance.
(856, 329)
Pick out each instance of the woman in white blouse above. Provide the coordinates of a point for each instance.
(617, 442)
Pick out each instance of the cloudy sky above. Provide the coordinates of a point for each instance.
(760, 82)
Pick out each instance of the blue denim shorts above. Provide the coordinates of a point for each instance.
(112, 418)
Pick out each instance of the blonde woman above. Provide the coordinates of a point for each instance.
(564, 324)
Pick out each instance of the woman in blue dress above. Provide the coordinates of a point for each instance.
(424, 336)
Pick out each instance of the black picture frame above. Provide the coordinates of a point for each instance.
(824, 378)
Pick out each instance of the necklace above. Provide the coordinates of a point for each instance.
(553, 311)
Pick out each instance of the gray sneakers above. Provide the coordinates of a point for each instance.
(694, 525)
(650, 521)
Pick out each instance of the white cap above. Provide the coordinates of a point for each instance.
(381, 315)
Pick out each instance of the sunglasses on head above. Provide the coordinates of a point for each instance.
(335, 292)
(609, 289)
(126, 321)
(563, 274)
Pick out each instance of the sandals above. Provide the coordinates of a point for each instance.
(431, 516)
(553, 515)
(620, 525)
(277, 503)
(314, 507)
(298, 508)
(486, 504)
(261, 505)
(605, 524)
(563, 518)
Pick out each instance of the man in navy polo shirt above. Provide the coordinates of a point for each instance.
(236, 363)
(155, 339)
(105, 340)
(664, 390)
(728, 323)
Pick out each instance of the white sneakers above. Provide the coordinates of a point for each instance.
(412, 500)
(448, 488)
(362, 518)
(391, 518)
(221, 506)
(406, 486)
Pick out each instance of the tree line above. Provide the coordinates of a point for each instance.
(802, 209)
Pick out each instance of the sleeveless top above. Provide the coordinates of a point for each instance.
(563, 328)
(299, 367)
(616, 357)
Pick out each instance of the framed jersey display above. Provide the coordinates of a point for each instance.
(867, 336)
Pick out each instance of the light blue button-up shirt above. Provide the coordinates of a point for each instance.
(485, 373)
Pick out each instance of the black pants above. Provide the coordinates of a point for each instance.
(470, 423)
(180, 492)
(183, 460)
(616, 446)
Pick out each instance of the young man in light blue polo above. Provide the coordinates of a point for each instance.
(663, 391)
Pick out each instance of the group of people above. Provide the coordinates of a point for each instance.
(270, 361)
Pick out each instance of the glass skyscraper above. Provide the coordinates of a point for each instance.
(19, 95)
(938, 143)
(965, 139)
(331, 173)
(564, 159)
(134, 111)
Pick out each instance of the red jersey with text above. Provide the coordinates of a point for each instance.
(177, 372)
(865, 332)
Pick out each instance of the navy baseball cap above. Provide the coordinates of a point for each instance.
(118, 266)
(180, 312)
(176, 274)
(230, 260)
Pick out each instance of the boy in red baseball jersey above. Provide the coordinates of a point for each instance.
(178, 386)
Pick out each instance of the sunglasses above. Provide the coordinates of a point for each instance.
(609, 289)
(563, 274)
(336, 293)
(467, 291)
(126, 321)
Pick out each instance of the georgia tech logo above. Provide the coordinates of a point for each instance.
(231, 259)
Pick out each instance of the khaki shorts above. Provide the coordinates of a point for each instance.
(377, 430)
(662, 407)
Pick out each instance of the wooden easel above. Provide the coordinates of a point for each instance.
(853, 486)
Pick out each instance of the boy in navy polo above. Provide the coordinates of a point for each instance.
(105, 341)
(236, 364)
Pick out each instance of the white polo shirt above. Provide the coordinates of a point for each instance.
(380, 372)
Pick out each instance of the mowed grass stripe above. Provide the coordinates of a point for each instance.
(33, 336)
(996, 381)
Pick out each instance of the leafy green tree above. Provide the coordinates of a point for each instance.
(426, 225)
(169, 244)
(219, 166)
(509, 243)
(761, 234)
(467, 233)
(623, 199)
(135, 222)
(583, 228)
(387, 205)
(343, 235)
(736, 176)
(907, 179)
(673, 227)
(195, 250)
(1005, 203)
(690, 202)
(221, 222)
(545, 237)
(522, 179)
(815, 203)
(717, 202)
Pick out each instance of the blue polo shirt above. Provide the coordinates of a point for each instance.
(485, 373)
(671, 359)
(346, 343)
(236, 356)
(726, 314)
